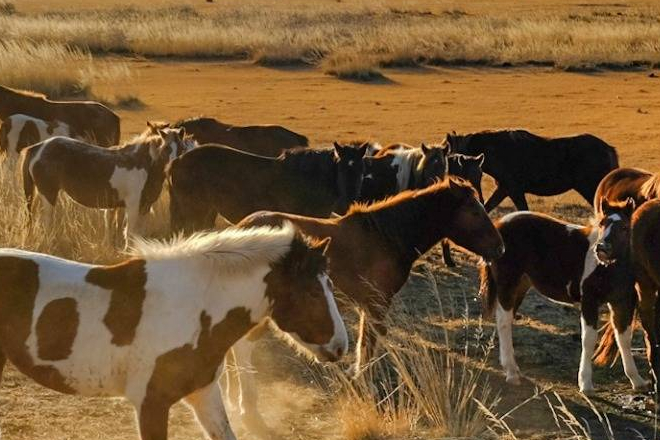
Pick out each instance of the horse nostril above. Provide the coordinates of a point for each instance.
(339, 352)
(500, 250)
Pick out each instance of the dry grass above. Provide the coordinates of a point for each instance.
(379, 36)
(53, 68)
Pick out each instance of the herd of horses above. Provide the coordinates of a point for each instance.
(160, 326)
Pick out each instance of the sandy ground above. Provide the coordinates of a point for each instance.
(413, 105)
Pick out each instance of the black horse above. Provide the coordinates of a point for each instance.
(214, 179)
(522, 162)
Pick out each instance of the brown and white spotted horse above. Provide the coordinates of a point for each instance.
(559, 259)
(155, 329)
(638, 238)
(20, 131)
(88, 119)
(130, 176)
(374, 247)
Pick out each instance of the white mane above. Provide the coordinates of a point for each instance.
(406, 160)
(234, 248)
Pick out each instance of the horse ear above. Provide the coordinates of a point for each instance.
(630, 205)
(339, 149)
(459, 158)
(604, 205)
(181, 131)
(425, 149)
(151, 124)
(324, 245)
(362, 151)
(481, 159)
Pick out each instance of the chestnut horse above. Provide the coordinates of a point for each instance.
(522, 162)
(88, 119)
(264, 140)
(215, 180)
(155, 329)
(623, 183)
(374, 247)
(21, 131)
(559, 259)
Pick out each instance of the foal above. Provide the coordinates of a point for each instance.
(155, 329)
(130, 176)
(560, 261)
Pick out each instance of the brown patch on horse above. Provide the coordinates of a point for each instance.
(19, 279)
(126, 281)
(183, 370)
(57, 328)
(5, 129)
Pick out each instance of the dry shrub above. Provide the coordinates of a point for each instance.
(354, 66)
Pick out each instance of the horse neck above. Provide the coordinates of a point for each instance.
(410, 226)
(316, 171)
(12, 103)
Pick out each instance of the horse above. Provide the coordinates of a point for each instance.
(213, 179)
(264, 140)
(147, 330)
(20, 131)
(374, 247)
(560, 260)
(130, 176)
(469, 168)
(637, 236)
(624, 183)
(522, 162)
(399, 167)
(91, 120)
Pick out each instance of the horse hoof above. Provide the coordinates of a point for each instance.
(513, 380)
(588, 392)
(643, 387)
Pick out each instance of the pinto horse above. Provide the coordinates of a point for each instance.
(148, 330)
(399, 167)
(130, 176)
(559, 259)
(21, 131)
(88, 119)
(522, 162)
(264, 140)
(374, 247)
(213, 179)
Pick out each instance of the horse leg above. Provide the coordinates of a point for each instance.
(519, 200)
(495, 199)
(446, 254)
(47, 210)
(210, 412)
(3, 361)
(152, 420)
(133, 220)
(589, 325)
(646, 293)
(622, 316)
(248, 398)
(504, 321)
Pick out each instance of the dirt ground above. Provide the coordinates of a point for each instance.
(411, 106)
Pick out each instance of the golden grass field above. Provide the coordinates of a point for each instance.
(260, 68)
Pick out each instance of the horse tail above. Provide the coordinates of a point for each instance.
(612, 156)
(5, 128)
(28, 181)
(302, 140)
(487, 290)
(606, 352)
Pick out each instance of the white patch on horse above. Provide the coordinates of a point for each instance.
(589, 337)
(405, 161)
(340, 339)
(504, 320)
(590, 258)
(624, 341)
(510, 216)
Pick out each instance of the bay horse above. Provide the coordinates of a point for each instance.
(522, 162)
(399, 167)
(149, 331)
(560, 260)
(214, 179)
(264, 140)
(130, 176)
(374, 247)
(624, 183)
(20, 131)
(91, 120)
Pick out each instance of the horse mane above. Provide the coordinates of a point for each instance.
(298, 159)
(408, 162)
(234, 249)
(25, 93)
(514, 134)
(651, 188)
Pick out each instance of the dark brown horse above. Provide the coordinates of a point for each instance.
(624, 183)
(87, 119)
(559, 259)
(264, 140)
(373, 247)
(639, 237)
(212, 180)
(522, 162)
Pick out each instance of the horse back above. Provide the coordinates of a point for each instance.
(620, 184)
